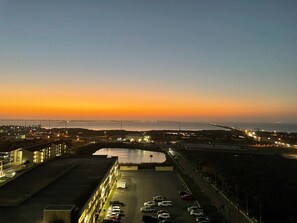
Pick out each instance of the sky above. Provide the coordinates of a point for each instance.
(201, 60)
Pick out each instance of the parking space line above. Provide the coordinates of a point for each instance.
(188, 189)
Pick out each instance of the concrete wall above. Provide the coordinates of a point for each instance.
(27, 155)
(164, 168)
(128, 167)
(52, 216)
(92, 208)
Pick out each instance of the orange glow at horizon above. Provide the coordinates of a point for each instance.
(126, 104)
(127, 109)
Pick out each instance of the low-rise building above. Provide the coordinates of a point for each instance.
(65, 189)
(42, 152)
(17, 154)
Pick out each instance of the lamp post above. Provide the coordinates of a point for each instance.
(246, 202)
(66, 133)
(1, 168)
(260, 212)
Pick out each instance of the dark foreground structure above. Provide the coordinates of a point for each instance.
(65, 189)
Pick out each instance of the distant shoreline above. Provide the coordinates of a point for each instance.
(138, 125)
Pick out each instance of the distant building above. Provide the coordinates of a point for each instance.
(65, 189)
(11, 155)
(14, 136)
(137, 138)
(17, 154)
(43, 152)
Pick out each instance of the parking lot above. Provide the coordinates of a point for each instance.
(142, 185)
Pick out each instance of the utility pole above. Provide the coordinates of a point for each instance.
(236, 193)
(179, 141)
(260, 212)
(246, 202)
(1, 168)
(66, 133)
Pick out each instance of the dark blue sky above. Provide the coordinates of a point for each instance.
(205, 54)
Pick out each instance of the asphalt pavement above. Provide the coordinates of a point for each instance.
(142, 185)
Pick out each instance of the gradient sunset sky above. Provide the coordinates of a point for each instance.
(199, 60)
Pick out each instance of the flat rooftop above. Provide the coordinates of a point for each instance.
(61, 181)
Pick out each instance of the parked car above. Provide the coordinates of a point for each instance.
(188, 197)
(159, 198)
(147, 209)
(165, 221)
(181, 193)
(119, 203)
(115, 207)
(164, 216)
(162, 211)
(149, 219)
(113, 216)
(202, 219)
(196, 213)
(165, 204)
(110, 221)
(150, 203)
(189, 209)
(113, 212)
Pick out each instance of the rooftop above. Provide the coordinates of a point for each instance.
(62, 181)
(31, 145)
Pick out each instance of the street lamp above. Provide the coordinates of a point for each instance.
(1, 168)
(66, 133)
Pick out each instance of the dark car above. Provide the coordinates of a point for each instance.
(165, 221)
(188, 197)
(110, 221)
(149, 219)
(181, 193)
(117, 203)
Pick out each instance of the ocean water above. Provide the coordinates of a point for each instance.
(152, 125)
(277, 126)
(114, 125)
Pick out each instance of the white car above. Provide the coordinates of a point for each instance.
(114, 212)
(165, 204)
(197, 213)
(202, 219)
(164, 216)
(115, 207)
(150, 203)
(147, 209)
(113, 215)
(159, 198)
(194, 208)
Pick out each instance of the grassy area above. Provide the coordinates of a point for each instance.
(267, 183)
